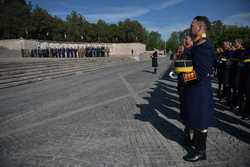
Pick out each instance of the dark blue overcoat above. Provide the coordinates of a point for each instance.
(155, 59)
(197, 105)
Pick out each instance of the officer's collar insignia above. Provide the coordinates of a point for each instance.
(200, 36)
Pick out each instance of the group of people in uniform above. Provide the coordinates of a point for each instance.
(66, 52)
(233, 73)
(197, 63)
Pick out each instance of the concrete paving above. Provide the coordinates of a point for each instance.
(122, 116)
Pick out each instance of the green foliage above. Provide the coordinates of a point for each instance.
(58, 29)
(220, 32)
(217, 33)
(131, 31)
(174, 41)
(75, 25)
(22, 20)
(14, 16)
(41, 24)
(154, 41)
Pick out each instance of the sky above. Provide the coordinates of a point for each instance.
(163, 16)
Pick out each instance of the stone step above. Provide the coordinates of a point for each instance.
(50, 76)
(19, 66)
(16, 73)
(13, 66)
(45, 72)
(30, 71)
(19, 72)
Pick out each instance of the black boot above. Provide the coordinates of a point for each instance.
(155, 70)
(219, 91)
(243, 107)
(195, 156)
(199, 153)
(187, 137)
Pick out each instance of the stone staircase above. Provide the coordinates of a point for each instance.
(14, 72)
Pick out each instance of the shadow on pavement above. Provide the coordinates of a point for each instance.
(148, 71)
(159, 106)
(162, 103)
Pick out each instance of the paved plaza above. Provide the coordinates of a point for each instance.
(120, 116)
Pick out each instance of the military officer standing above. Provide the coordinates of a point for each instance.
(237, 76)
(186, 55)
(228, 73)
(197, 103)
(220, 64)
(245, 110)
(155, 61)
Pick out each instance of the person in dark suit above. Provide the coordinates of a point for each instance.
(237, 76)
(197, 102)
(155, 61)
(184, 55)
(220, 64)
(63, 52)
(245, 108)
(67, 52)
(227, 72)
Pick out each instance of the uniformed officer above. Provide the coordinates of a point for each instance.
(107, 51)
(220, 64)
(237, 76)
(87, 52)
(102, 51)
(59, 52)
(188, 44)
(47, 52)
(67, 52)
(40, 52)
(63, 52)
(184, 53)
(82, 52)
(71, 52)
(227, 71)
(75, 52)
(179, 52)
(197, 102)
(245, 106)
(155, 61)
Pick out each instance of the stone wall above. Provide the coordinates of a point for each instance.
(10, 44)
(116, 49)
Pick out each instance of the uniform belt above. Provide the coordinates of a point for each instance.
(223, 59)
(184, 69)
(246, 61)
